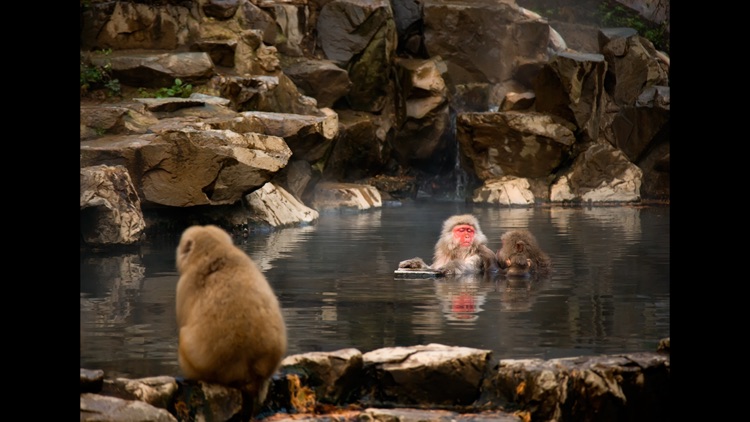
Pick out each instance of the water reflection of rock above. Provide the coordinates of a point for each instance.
(127, 315)
(496, 221)
(279, 243)
(604, 236)
(625, 221)
(461, 297)
(110, 286)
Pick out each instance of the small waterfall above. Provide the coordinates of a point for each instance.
(459, 174)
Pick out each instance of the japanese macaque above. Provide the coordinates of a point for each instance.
(231, 330)
(520, 255)
(461, 249)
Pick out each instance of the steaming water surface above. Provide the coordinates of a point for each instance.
(608, 291)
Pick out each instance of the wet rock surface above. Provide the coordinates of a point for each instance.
(431, 382)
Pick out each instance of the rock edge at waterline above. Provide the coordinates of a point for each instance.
(431, 382)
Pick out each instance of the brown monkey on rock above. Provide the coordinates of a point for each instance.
(231, 330)
(461, 249)
(521, 256)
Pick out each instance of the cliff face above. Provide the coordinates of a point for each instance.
(433, 99)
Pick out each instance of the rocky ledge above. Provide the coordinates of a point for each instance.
(418, 383)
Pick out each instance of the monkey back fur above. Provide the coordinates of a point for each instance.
(231, 329)
(517, 247)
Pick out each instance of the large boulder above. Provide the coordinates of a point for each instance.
(600, 174)
(502, 38)
(360, 36)
(505, 190)
(360, 149)
(513, 143)
(156, 70)
(125, 117)
(309, 137)
(571, 86)
(122, 25)
(110, 207)
(274, 206)
(192, 166)
(632, 65)
(320, 79)
(448, 375)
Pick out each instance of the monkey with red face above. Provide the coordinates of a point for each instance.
(461, 249)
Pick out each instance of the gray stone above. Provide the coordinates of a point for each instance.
(157, 391)
(98, 408)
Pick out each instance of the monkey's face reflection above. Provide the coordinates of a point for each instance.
(463, 305)
(462, 297)
(463, 234)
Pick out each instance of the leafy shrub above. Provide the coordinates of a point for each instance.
(617, 15)
(176, 90)
(94, 77)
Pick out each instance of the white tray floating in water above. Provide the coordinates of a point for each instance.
(417, 273)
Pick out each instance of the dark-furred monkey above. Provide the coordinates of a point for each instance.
(520, 254)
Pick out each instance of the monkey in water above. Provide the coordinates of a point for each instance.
(231, 330)
(461, 249)
(521, 256)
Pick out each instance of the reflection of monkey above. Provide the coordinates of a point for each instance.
(462, 297)
(520, 254)
(231, 330)
(461, 249)
(517, 295)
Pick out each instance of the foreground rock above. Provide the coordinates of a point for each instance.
(426, 382)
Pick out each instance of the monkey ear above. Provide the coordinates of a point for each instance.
(186, 247)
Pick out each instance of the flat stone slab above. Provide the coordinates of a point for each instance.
(416, 273)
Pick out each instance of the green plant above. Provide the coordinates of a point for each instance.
(176, 90)
(99, 76)
(616, 15)
(146, 93)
